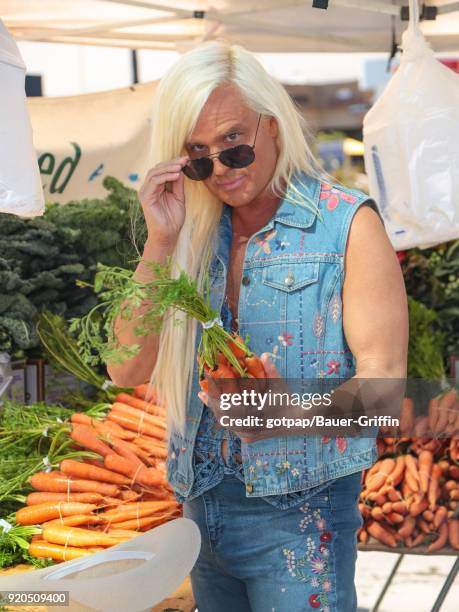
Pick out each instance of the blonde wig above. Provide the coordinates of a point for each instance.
(179, 99)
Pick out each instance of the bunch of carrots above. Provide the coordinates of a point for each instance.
(412, 498)
(250, 366)
(98, 502)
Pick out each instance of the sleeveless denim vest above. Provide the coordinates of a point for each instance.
(290, 306)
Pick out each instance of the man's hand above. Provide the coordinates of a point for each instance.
(213, 401)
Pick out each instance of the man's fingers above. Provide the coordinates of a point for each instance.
(270, 368)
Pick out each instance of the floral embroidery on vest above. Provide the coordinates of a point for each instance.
(312, 566)
(264, 242)
(341, 444)
(333, 366)
(332, 196)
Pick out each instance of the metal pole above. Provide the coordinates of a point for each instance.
(446, 587)
(375, 608)
(135, 66)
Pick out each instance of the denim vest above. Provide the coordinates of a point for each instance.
(299, 323)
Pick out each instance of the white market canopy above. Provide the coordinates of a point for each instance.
(260, 25)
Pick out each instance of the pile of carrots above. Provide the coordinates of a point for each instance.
(250, 364)
(92, 504)
(410, 496)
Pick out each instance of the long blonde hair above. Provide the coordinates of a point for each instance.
(179, 99)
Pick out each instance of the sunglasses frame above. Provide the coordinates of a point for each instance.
(219, 153)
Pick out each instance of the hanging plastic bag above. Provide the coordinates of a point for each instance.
(411, 138)
(20, 186)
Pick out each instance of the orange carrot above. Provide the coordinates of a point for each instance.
(441, 540)
(418, 506)
(434, 486)
(146, 477)
(419, 539)
(411, 482)
(122, 534)
(146, 522)
(90, 472)
(395, 517)
(440, 516)
(453, 532)
(63, 484)
(387, 507)
(236, 349)
(407, 416)
(255, 367)
(377, 513)
(145, 392)
(363, 536)
(379, 479)
(204, 384)
(76, 520)
(412, 466)
(44, 550)
(129, 513)
(136, 425)
(139, 414)
(81, 418)
(396, 475)
(155, 505)
(407, 527)
(39, 513)
(76, 536)
(88, 439)
(122, 448)
(425, 461)
(153, 449)
(376, 530)
(141, 404)
(400, 506)
(109, 428)
(42, 497)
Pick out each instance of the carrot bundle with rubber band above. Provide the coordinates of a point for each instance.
(40, 513)
(42, 481)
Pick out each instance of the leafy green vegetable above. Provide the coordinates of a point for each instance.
(42, 258)
(120, 294)
(432, 278)
(426, 342)
(32, 439)
(14, 543)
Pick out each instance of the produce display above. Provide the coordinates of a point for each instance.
(107, 487)
(410, 496)
(42, 258)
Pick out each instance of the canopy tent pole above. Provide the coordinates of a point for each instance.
(102, 28)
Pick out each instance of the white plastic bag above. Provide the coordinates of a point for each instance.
(411, 139)
(21, 192)
(130, 577)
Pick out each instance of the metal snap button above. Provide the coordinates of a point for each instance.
(246, 280)
(249, 487)
(289, 279)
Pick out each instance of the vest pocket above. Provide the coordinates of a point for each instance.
(290, 277)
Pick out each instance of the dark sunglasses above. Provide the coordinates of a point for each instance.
(241, 156)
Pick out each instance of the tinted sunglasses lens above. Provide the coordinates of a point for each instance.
(198, 169)
(237, 157)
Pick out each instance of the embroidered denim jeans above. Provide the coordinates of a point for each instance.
(258, 558)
